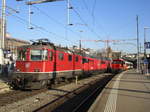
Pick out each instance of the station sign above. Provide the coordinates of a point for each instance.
(147, 45)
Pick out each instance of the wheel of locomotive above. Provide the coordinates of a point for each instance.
(44, 84)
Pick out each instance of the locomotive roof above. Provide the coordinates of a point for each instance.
(44, 43)
(48, 46)
(63, 49)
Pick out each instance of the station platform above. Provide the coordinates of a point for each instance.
(126, 92)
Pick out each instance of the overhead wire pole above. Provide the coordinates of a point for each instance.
(145, 40)
(68, 18)
(3, 23)
(138, 64)
(29, 17)
(32, 3)
(68, 12)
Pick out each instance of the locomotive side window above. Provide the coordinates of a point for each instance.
(69, 57)
(117, 62)
(77, 58)
(22, 55)
(102, 62)
(61, 56)
(51, 55)
(84, 60)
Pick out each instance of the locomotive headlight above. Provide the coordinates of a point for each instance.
(18, 70)
(36, 70)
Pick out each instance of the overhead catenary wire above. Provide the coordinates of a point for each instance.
(93, 9)
(57, 22)
(100, 26)
(82, 20)
(41, 28)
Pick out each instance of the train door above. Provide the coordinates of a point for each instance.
(51, 61)
(91, 65)
(60, 59)
(85, 63)
(77, 64)
(70, 65)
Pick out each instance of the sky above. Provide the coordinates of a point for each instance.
(91, 19)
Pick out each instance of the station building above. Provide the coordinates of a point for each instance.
(11, 44)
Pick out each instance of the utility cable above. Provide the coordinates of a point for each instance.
(41, 28)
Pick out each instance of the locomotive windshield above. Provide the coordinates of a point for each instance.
(22, 54)
(117, 62)
(37, 55)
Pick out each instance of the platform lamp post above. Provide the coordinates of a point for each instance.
(145, 59)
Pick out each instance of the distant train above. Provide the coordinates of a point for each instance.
(42, 63)
(119, 65)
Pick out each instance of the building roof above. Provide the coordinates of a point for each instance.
(8, 37)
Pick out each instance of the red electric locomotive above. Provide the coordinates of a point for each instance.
(118, 65)
(42, 63)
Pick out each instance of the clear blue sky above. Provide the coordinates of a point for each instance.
(105, 19)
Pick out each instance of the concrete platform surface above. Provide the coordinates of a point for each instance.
(127, 92)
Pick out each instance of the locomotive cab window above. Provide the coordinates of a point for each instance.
(50, 55)
(69, 57)
(37, 55)
(21, 55)
(45, 55)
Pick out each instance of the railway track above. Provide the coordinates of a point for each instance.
(56, 98)
(76, 101)
(14, 96)
(84, 105)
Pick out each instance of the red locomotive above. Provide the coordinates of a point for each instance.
(42, 63)
(119, 65)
